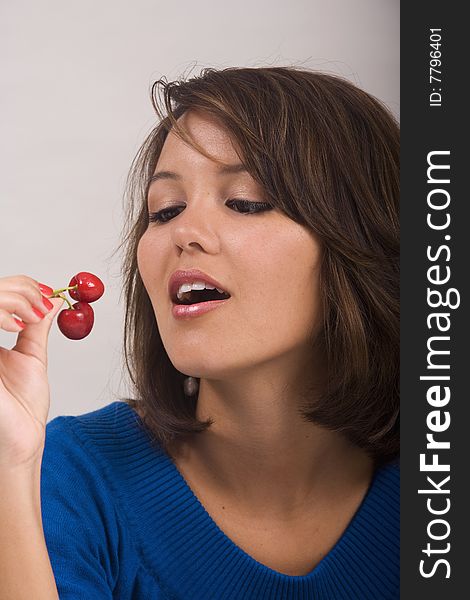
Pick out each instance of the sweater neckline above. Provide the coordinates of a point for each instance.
(205, 515)
(170, 513)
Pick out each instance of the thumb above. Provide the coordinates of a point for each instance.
(33, 339)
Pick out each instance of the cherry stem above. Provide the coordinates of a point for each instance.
(57, 292)
(64, 298)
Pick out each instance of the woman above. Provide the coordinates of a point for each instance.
(260, 456)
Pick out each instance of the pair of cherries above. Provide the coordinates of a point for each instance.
(77, 321)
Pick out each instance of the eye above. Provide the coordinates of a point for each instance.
(247, 206)
(164, 215)
(243, 206)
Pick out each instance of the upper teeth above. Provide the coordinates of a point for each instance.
(196, 285)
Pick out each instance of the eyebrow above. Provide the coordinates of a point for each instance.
(222, 170)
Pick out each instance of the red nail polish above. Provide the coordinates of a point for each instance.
(47, 303)
(38, 313)
(46, 290)
(20, 323)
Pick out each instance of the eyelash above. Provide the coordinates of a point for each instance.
(160, 216)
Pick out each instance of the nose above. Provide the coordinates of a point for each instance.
(196, 229)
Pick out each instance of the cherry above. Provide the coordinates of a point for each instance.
(89, 287)
(76, 322)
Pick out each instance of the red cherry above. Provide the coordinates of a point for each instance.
(90, 287)
(76, 323)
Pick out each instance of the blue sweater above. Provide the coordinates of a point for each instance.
(121, 522)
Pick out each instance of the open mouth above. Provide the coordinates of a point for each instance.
(197, 296)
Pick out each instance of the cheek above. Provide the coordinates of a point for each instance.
(142, 258)
(282, 282)
(150, 263)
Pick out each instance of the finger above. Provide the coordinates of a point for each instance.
(10, 323)
(26, 287)
(34, 337)
(20, 305)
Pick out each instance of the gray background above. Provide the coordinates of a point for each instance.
(75, 107)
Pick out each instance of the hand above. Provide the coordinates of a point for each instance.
(24, 386)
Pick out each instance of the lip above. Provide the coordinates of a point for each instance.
(189, 311)
(187, 276)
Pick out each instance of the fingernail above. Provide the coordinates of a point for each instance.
(38, 312)
(46, 290)
(20, 323)
(47, 303)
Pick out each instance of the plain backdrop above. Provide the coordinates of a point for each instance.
(75, 107)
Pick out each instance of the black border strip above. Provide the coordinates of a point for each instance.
(433, 132)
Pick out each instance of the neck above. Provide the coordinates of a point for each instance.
(262, 454)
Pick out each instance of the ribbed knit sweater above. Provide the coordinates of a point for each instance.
(121, 522)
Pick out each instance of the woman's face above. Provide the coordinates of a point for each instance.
(266, 262)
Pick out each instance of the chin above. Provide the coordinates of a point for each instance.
(211, 367)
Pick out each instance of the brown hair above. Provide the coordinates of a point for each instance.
(327, 155)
